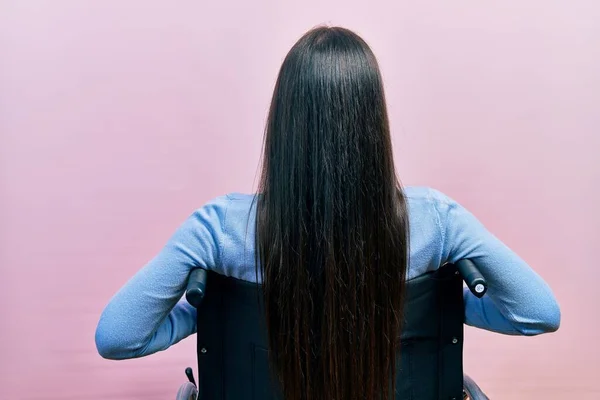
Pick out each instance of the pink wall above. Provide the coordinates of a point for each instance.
(117, 118)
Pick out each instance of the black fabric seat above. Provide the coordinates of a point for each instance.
(232, 342)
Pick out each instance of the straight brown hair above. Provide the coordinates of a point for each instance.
(332, 224)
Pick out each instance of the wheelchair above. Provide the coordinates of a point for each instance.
(232, 340)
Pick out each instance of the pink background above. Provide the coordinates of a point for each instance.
(117, 118)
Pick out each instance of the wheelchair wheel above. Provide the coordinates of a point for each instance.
(472, 391)
(187, 391)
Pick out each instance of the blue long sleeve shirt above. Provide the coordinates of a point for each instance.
(148, 314)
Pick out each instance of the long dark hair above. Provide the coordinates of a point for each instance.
(332, 224)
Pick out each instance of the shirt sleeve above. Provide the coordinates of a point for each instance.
(518, 301)
(147, 314)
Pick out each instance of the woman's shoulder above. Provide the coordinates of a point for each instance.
(240, 197)
(227, 201)
(230, 210)
(419, 197)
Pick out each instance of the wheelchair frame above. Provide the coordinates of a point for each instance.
(232, 365)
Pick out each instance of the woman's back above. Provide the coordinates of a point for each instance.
(236, 213)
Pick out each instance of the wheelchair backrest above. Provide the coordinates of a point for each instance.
(233, 361)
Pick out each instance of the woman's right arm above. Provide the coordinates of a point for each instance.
(518, 301)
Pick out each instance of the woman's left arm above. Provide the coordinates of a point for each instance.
(518, 301)
(146, 315)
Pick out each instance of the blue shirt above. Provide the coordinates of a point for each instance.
(148, 314)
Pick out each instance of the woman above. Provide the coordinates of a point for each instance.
(328, 237)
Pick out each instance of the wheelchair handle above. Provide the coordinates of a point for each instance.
(472, 277)
(196, 287)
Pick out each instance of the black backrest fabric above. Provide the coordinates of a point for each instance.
(232, 346)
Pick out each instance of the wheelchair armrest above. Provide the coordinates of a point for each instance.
(196, 287)
(472, 390)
